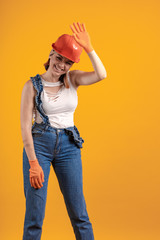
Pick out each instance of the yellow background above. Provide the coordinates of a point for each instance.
(118, 117)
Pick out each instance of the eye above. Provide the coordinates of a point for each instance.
(59, 58)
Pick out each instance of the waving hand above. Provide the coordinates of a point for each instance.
(81, 36)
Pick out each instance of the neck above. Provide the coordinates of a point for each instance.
(50, 76)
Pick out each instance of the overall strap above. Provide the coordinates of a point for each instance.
(37, 83)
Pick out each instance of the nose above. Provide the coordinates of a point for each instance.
(61, 65)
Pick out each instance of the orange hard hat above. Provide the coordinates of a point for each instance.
(67, 46)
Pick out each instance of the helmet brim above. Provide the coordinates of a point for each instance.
(64, 55)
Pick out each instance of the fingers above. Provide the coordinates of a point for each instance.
(42, 176)
(36, 182)
(76, 37)
(32, 182)
(76, 28)
(72, 29)
(84, 27)
(30, 179)
(36, 176)
(80, 28)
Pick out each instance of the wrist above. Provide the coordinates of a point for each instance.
(89, 49)
(33, 163)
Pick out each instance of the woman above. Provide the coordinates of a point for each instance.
(53, 139)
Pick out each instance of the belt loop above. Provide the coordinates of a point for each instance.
(46, 127)
(33, 125)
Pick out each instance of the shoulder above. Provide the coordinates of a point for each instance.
(28, 88)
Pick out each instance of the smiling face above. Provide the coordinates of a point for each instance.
(59, 64)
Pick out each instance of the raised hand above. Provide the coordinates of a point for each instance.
(81, 36)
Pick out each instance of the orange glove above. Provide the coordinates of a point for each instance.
(82, 36)
(36, 174)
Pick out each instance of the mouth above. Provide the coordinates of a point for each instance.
(57, 70)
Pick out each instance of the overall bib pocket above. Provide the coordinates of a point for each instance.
(74, 136)
(37, 131)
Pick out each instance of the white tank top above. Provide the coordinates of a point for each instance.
(60, 106)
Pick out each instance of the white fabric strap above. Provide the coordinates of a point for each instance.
(51, 84)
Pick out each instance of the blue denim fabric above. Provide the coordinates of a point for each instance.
(61, 149)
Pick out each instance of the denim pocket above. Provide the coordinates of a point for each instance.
(74, 136)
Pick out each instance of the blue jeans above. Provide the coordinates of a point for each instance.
(61, 148)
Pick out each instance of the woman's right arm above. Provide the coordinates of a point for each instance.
(26, 115)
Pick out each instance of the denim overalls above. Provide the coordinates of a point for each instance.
(61, 148)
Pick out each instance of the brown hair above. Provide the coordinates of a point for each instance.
(63, 77)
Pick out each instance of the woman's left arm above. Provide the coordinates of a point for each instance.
(99, 73)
